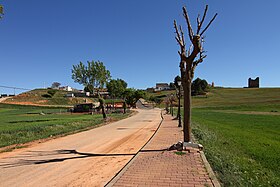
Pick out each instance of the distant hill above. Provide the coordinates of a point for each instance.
(230, 96)
(238, 96)
(46, 97)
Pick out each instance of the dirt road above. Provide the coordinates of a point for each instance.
(89, 158)
(3, 99)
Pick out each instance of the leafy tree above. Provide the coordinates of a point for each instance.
(1, 11)
(55, 84)
(132, 96)
(129, 96)
(139, 94)
(172, 86)
(93, 76)
(116, 87)
(199, 86)
(88, 88)
(155, 99)
(189, 59)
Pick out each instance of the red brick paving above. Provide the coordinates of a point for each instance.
(153, 167)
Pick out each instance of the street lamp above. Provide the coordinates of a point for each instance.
(179, 108)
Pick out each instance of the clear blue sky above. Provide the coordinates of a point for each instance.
(41, 40)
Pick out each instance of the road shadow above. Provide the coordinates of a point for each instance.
(59, 156)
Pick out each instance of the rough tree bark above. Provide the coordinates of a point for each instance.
(189, 59)
(102, 102)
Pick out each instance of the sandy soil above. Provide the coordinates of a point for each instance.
(3, 99)
(89, 158)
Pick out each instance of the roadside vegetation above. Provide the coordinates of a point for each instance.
(240, 131)
(21, 124)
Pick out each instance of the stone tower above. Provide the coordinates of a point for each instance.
(254, 83)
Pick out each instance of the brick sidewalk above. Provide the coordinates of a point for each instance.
(155, 167)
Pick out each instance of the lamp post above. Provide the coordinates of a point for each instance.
(179, 108)
(171, 104)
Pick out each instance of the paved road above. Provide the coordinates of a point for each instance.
(89, 158)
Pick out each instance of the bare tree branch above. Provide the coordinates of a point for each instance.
(178, 37)
(188, 22)
(203, 18)
(198, 23)
(182, 35)
(195, 63)
(208, 24)
(189, 50)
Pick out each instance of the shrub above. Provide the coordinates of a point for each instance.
(46, 96)
(51, 92)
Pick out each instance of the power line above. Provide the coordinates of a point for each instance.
(14, 88)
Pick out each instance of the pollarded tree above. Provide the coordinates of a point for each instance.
(93, 76)
(189, 59)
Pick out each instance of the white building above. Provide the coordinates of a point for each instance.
(66, 88)
(162, 86)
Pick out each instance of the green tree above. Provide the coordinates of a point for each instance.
(1, 11)
(199, 86)
(139, 94)
(55, 85)
(93, 76)
(172, 86)
(131, 96)
(116, 87)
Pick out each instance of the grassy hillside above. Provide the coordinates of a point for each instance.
(240, 131)
(239, 97)
(234, 97)
(44, 97)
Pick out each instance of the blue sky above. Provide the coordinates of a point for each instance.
(41, 40)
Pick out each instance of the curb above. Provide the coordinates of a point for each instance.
(212, 175)
(130, 162)
(208, 167)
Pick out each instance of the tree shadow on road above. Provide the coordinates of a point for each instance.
(18, 161)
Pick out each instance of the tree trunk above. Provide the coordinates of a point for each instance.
(103, 111)
(187, 111)
(124, 107)
(102, 102)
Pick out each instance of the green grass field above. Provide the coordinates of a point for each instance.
(240, 132)
(21, 124)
